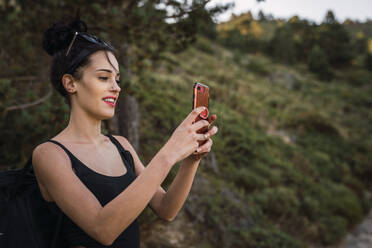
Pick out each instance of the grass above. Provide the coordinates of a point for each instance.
(295, 193)
(294, 153)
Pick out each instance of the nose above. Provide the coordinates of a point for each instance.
(115, 87)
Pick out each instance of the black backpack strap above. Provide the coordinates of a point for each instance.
(126, 154)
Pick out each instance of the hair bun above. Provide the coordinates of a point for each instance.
(60, 34)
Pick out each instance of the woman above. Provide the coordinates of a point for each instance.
(84, 172)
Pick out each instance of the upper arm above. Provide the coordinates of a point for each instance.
(53, 170)
(155, 202)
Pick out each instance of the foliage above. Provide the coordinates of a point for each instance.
(358, 77)
(368, 61)
(139, 29)
(293, 40)
(282, 46)
(318, 63)
(270, 237)
(294, 164)
(336, 42)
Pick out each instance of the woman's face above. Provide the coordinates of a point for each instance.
(97, 91)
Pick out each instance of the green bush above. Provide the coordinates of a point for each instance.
(249, 180)
(270, 238)
(205, 45)
(282, 45)
(332, 229)
(309, 122)
(358, 77)
(318, 64)
(258, 67)
(277, 202)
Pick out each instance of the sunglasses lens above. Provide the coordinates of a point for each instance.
(91, 38)
(95, 40)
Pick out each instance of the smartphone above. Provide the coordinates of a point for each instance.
(200, 98)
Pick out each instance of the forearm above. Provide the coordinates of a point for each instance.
(179, 189)
(122, 211)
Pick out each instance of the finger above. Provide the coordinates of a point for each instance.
(212, 118)
(199, 125)
(206, 147)
(201, 137)
(193, 114)
(212, 131)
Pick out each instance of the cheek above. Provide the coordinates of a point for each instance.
(93, 91)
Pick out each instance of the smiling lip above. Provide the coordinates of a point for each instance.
(112, 104)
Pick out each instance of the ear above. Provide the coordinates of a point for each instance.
(69, 83)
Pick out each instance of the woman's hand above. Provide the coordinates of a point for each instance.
(184, 140)
(205, 148)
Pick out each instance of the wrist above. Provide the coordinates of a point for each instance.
(166, 157)
(193, 158)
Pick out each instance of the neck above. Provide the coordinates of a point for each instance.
(83, 127)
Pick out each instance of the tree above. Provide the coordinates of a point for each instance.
(335, 41)
(330, 17)
(318, 64)
(282, 45)
(141, 30)
(261, 16)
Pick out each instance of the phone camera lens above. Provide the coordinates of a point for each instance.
(199, 87)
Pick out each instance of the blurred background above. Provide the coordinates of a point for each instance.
(290, 82)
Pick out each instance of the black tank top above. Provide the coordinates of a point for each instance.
(105, 188)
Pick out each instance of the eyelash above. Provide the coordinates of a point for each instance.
(105, 78)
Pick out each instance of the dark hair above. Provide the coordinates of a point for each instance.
(56, 40)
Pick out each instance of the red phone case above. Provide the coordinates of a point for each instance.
(201, 98)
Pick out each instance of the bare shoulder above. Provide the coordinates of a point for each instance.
(48, 151)
(124, 142)
(48, 158)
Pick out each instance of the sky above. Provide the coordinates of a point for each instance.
(313, 10)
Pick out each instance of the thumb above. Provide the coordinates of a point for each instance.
(197, 111)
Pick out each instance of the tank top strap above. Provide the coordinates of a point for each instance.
(126, 154)
(70, 155)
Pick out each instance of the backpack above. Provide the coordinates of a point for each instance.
(25, 220)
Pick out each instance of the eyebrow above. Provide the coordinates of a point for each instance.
(106, 70)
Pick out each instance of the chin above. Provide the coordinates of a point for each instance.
(107, 116)
(104, 114)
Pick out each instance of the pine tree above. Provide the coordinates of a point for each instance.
(282, 45)
(335, 41)
(318, 64)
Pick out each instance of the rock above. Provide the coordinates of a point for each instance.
(361, 237)
(283, 134)
(284, 79)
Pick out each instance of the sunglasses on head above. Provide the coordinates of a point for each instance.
(88, 37)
